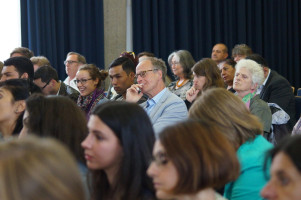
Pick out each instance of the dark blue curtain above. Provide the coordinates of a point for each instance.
(270, 28)
(54, 27)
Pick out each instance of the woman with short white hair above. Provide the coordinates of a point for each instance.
(248, 77)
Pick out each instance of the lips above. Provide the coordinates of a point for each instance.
(88, 157)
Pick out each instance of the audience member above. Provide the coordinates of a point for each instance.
(276, 89)
(205, 75)
(12, 105)
(145, 54)
(181, 63)
(39, 61)
(241, 51)
(219, 54)
(17, 68)
(228, 72)
(285, 182)
(22, 51)
(1, 67)
(88, 80)
(73, 62)
(229, 114)
(190, 160)
(117, 151)
(163, 107)
(47, 79)
(131, 55)
(38, 169)
(248, 77)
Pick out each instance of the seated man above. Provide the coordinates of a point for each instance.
(47, 79)
(122, 75)
(163, 107)
(39, 61)
(219, 54)
(22, 51)
(276, 89)
(241, 51)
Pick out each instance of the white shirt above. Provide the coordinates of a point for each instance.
(70, 83)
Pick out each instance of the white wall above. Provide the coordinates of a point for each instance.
(10, 27)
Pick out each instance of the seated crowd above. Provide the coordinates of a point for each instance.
(211, 133)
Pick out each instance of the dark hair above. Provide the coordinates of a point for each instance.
(133, 128)
(46, 73)
(208, 68)
(19, 88)
(80, 58)
(57, 117)
(24, 51)
(127, 64)
(145, 53)
(131, 55)
(230, 62)
(22, 65)
(291, 147)
(258, 58)
(185, 59)
(95, 73)
(201, 154)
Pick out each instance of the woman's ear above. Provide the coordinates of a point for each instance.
(96, 81)
(254, 86)
(20, 106)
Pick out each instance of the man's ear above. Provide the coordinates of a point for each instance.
(132, 75)
(265, 71)
(24, 75)
(20, 106)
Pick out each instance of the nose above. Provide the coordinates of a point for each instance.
(151, 171)
(139, 79)
(87, 143)
(268, 192)
(236, 58)
(223, 71)
(114, 81)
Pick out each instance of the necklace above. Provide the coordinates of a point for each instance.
(180, 85)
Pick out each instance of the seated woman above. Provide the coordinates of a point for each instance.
(285, 182)
(229, 114)
(57, 117)
(38, 169)
(117, 151)
(88, 80)
(13, 93)
(206, 74)
(228, 72)
(180, 63)
(190, 159)
(248, 77)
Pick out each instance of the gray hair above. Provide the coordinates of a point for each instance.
(158, 64)
(185, 59)
(241, 49)
(254, 68)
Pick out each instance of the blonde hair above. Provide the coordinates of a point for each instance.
(227, 112)
(39, 60)
(38, 169)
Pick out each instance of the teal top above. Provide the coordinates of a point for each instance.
(252, 178)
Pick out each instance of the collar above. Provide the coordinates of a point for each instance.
(159, 95)
(265, 81)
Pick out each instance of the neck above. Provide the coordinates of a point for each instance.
(230, 83)
(71, 77)
(56, 88)
(206, 194)
(241, 94)
(111, 174)
(7, 127)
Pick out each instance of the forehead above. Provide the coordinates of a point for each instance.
(219, 47)
(175, 57)
(6, 93)
(9, 68)
(72, 57)
(116, 70)
(243, 70)
(144, 65)
(83, 74)
(282, 162)
(158, 147)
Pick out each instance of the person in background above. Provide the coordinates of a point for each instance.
(89, 80)
(13, 94)
(241, 51)
(180, 63)
(1, 67)
(39, 61)
(38, 169)
(17, 68)
(219, 54)
(73, 62)
(244, 131)
(205, 75)
(145, 54)
(46, 78)
(285, 182)
(206, 160)
(22, 51)
(227, 73)
(117, 151)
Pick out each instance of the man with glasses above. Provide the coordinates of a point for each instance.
(73, 62)
(46, 78)
(163, 107)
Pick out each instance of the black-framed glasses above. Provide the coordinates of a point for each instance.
(70, 62)
(45, 84)
(143, 73)
(160, 159)
(82, 81)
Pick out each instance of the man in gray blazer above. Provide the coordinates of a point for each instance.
(163, 107)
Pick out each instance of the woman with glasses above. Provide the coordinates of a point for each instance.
(180, 63)
(190, 160)
(117, 151)
(88, 80)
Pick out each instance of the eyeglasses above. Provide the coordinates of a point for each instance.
(82, 81)
(45, 85)
(70, 62)
(143, 73)
(174, 63)
(160, 159)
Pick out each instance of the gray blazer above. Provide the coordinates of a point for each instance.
(169, 110)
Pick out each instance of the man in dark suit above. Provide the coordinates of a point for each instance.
(276, 89)
(46, 78)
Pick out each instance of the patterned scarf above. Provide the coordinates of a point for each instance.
(247, 99)
(87, 103)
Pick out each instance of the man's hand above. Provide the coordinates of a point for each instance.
(133, 94)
